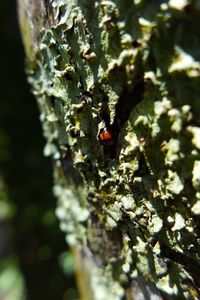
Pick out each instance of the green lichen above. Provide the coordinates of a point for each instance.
(121, 60)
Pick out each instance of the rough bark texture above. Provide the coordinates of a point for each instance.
(130, 207)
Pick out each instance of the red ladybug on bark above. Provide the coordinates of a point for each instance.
(105, 137)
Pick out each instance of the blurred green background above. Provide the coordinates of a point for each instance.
(34, 259)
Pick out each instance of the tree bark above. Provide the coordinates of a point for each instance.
(118, 86)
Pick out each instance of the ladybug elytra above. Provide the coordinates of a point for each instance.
(105, 137)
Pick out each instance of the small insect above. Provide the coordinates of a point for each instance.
(105, 137)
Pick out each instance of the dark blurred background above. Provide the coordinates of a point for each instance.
(34, 259)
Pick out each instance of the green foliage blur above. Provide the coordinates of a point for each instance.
(33, 251)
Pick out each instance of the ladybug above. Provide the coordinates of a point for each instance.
(105, 137)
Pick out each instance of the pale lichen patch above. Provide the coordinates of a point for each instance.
(196, 175)
(196, 135)
(179, 222)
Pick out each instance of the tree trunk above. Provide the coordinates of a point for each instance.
(118, 86)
